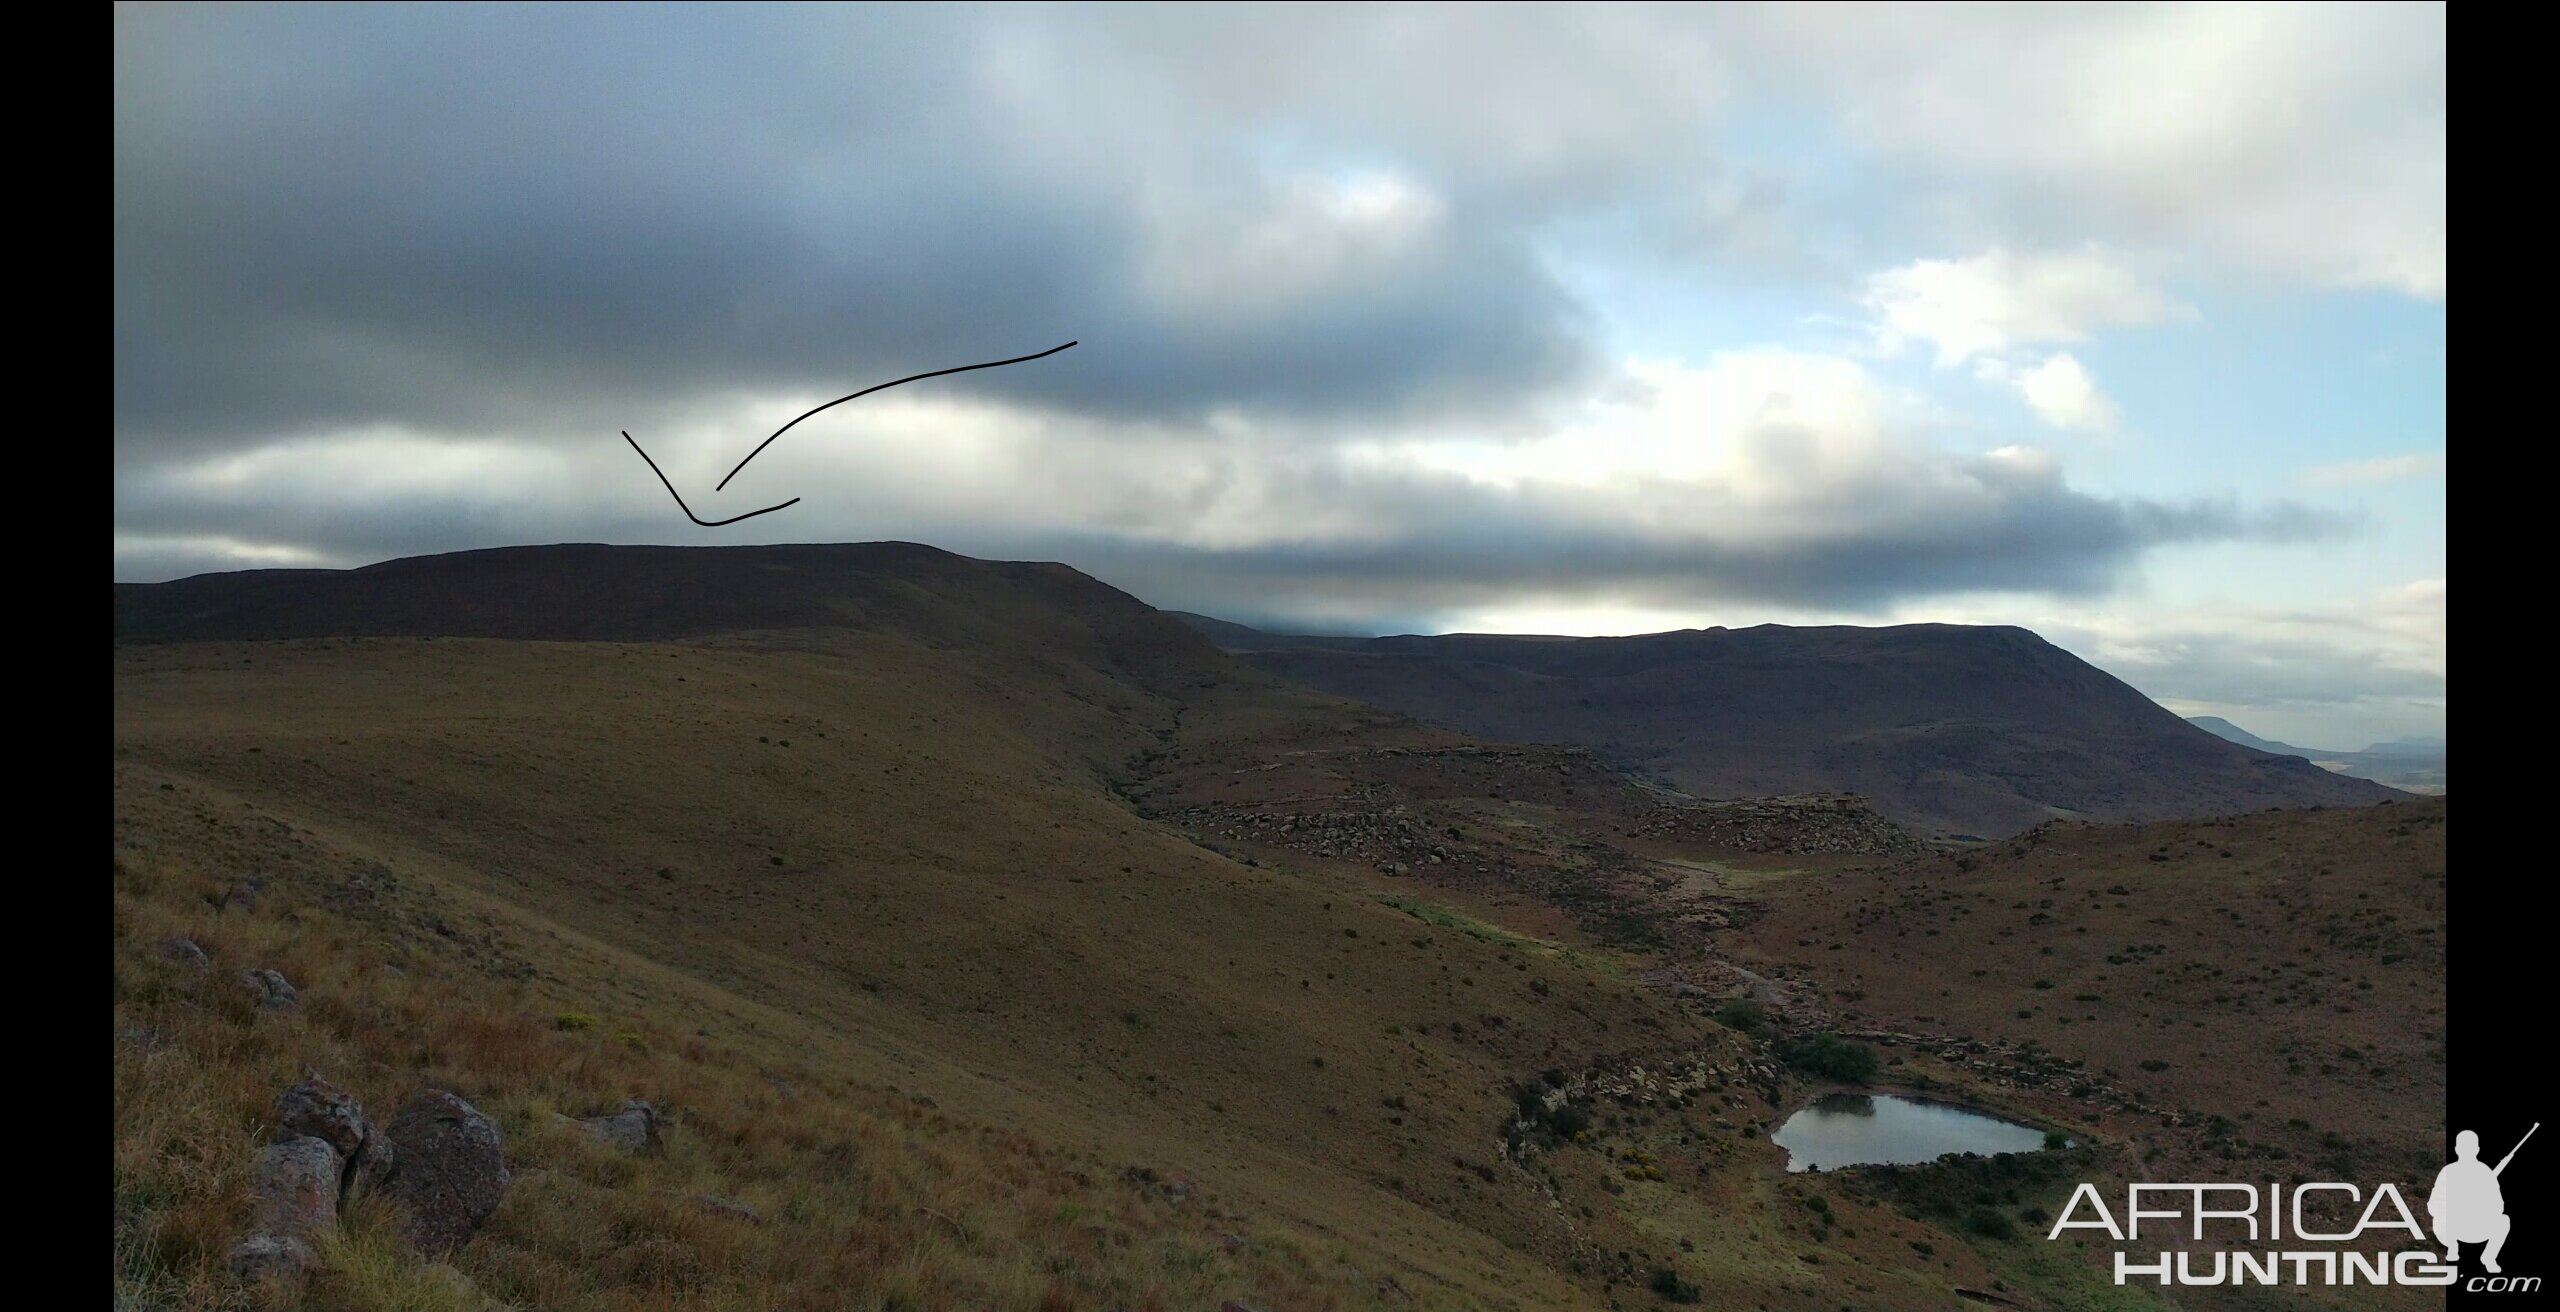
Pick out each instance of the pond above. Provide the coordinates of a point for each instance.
(1880, 1129)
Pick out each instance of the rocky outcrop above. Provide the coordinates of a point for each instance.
(1819, 823)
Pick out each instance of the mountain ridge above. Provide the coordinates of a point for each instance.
(1967, 730)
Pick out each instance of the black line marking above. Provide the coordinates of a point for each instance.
(688, 510)
(760, 446)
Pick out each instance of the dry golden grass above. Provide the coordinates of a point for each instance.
(875, 912)
(867, 1199)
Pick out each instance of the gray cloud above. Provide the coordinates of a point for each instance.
(389, 280)
(569, 217)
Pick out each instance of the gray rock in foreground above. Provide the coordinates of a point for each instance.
(449, 1170)
(294, 1186)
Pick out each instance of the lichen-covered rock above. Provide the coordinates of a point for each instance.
(324, 1111)
(449, 1170)
(294, 1186)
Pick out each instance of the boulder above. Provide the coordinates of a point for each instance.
(187, 953)
(324, 1111)
(294, 1187)
(634, 1127)
(273, 991)
(449, 1169)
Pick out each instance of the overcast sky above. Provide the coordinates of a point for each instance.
(2122, 323)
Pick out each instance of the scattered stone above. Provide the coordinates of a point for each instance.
(1819, 822)
(729, 1208)
(634, 1127)
(1232, 1305)
(273, 991)
(294, 1187)
(186, 952)
(242, 897)
(449, 1169)
(259, 1257)
(1232, 1243)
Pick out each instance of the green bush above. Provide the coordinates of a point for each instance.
(1830, 1056)
(1990, 1223)
(1742, 1014)
(1668, 1284)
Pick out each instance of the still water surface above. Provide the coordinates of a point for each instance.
(1877, 1129)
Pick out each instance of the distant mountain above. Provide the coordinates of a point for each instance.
(2229, 732)
(1951, 728)
(2411, 764)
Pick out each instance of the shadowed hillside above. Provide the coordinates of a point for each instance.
(1950, 728)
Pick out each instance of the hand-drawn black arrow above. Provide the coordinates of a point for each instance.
(760, 446)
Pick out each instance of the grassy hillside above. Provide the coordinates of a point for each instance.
(999, 943)
(894, 847)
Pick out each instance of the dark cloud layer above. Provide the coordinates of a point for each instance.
(537, 218)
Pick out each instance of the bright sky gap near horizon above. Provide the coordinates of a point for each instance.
(2125, 324)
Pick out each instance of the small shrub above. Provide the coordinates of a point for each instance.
(1667, 1284)
(1742, 1014)
(1990, 1223)
(1831, 1057)
(573, 1021)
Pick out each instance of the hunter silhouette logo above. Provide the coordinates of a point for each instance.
(2271, 1233)
(2466, 1206)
